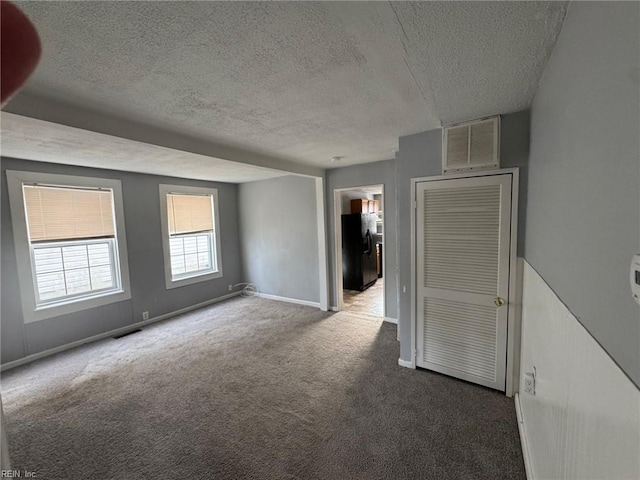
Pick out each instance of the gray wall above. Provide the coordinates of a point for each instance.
(420, 155)
(584, 188)
(378, 173)
(279, 236)
(146, 264)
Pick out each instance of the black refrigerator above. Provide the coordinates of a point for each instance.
(359, 270)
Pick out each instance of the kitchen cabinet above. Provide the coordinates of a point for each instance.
(363, 205)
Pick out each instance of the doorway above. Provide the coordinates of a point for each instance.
(464, 258)
(359, 247)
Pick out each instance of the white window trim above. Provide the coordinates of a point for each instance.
(164, 222)
(30, 311)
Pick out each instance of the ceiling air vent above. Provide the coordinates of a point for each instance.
(471, 145)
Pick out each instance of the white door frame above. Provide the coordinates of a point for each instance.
(337, 243)
(513, 314)
(323, 254)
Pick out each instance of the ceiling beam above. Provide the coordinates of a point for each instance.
(65, 113)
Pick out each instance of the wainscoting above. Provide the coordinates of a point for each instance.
(584, 419)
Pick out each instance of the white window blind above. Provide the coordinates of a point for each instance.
(61, 213)
(69, 237)
(189, 213)
(191, 234)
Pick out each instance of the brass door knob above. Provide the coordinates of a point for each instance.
(499, 301)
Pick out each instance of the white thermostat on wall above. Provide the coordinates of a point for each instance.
(635, 278)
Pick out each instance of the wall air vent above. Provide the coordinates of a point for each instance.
(471, 145)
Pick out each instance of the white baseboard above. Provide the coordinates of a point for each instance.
(111, 333)
(523, 438)
(406, 364)
(289, 300)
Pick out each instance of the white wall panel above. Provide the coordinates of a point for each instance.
(584, 419)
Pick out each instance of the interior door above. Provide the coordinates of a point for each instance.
(462, 253)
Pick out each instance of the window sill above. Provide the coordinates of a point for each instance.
(197, 278)
(71, 301)
(44, 312)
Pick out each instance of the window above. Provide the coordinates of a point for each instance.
(190, 234)
(70, 244)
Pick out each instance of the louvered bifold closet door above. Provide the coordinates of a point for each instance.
(463, 231)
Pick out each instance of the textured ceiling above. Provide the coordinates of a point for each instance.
(300, 81)
(32, 139)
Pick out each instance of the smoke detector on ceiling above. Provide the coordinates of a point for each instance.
(336, 159)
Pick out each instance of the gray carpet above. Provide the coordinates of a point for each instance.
(254, 388)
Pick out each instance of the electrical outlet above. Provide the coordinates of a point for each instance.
(145, 315)
(530, 383)
(230, 287)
